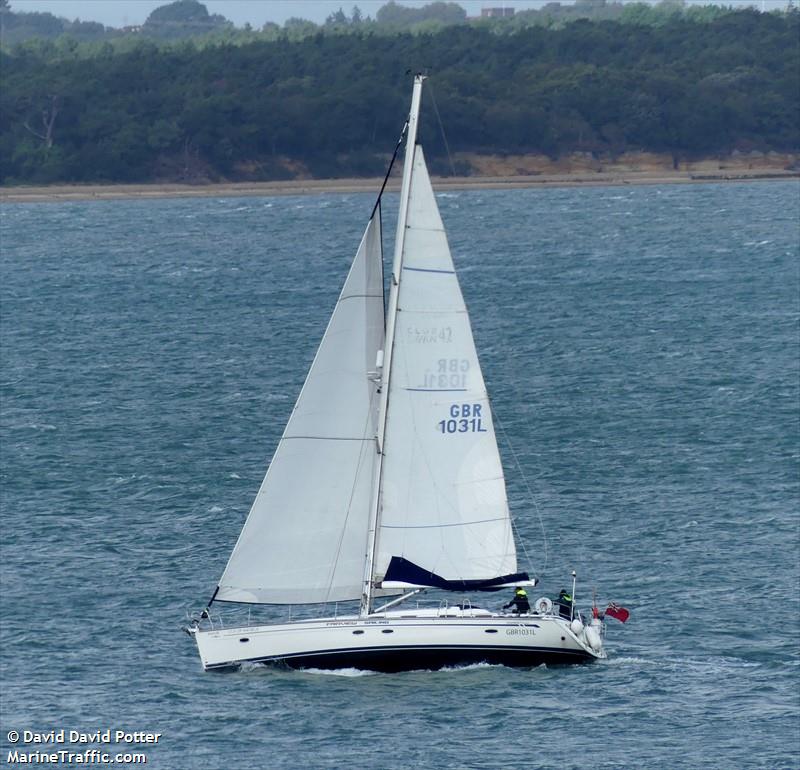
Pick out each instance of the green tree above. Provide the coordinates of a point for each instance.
(183, 18)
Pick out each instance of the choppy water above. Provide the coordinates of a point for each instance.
(641, 346)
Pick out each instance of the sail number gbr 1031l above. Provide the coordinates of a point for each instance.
(464, 418)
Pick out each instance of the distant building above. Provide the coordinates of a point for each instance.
(496, 13)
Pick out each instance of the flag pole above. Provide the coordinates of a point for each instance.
(572, 608)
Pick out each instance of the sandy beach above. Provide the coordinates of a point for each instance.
(571, 177)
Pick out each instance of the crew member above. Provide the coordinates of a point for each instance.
(564, 603)
(520, 602)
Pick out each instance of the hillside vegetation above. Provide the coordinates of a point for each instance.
(331, 104)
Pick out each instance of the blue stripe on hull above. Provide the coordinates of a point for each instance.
(395, 659)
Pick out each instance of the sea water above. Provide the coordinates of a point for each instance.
(641, 348)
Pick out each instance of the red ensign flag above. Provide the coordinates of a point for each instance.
(620, 613)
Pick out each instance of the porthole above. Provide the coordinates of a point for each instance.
(244, 639)
(387, 631)
(358, 632)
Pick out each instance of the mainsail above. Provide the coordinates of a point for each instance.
(443, 499)
(303, 541)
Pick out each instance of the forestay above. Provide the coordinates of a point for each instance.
(444, 505)
(304, 538)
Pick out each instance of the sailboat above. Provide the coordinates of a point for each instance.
(387, 483)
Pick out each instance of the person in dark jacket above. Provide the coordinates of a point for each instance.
(564, 604)
(520, 602)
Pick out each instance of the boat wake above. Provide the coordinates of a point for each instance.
(356, 672)
(717, 664)
(248, 668)
(625, 661)
(468, 667)
(346, 672)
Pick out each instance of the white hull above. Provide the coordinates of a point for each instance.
(400, 641)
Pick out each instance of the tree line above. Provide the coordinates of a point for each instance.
(182, 19)
(332, 104)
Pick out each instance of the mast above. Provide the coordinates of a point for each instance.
(391, 319)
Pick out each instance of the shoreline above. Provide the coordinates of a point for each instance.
(77, 192)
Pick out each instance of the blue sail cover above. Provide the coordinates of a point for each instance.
(403, 571)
